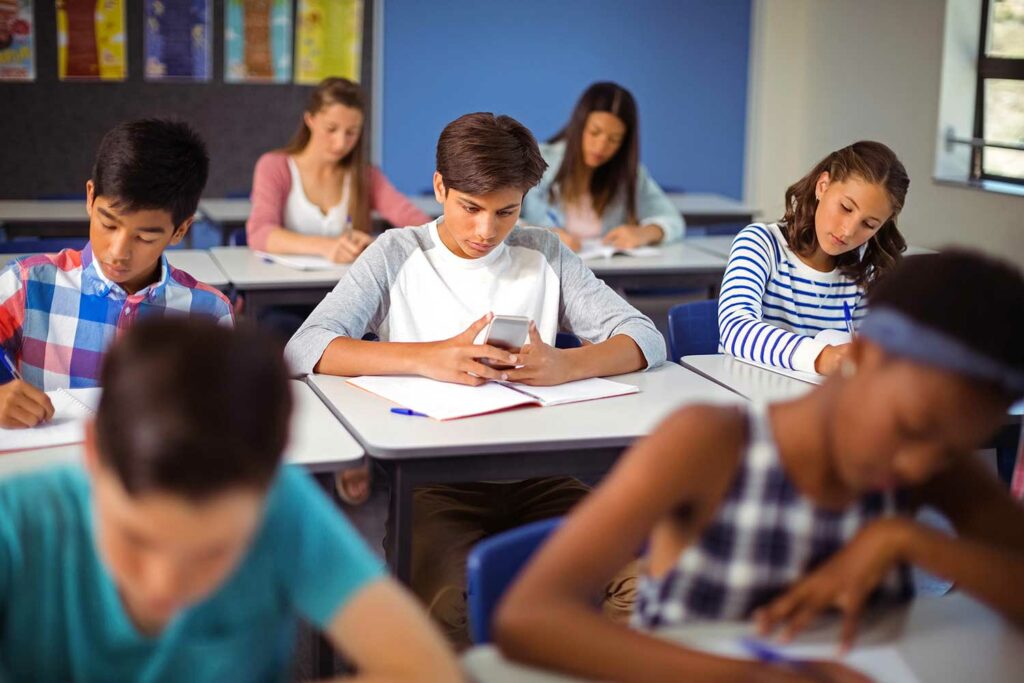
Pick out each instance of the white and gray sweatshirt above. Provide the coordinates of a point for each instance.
(408, 287)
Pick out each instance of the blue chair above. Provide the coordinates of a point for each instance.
(567, 340)
(693, 329)
(493, 564)
(237, 238)
(41, 245)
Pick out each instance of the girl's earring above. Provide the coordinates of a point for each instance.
(847, 368)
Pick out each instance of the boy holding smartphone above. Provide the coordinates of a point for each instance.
(429, 293)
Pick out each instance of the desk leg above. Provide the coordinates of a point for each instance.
(399, 524)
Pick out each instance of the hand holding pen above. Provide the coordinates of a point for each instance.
(21, 404)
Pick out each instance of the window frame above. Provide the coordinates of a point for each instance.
(1001, 68)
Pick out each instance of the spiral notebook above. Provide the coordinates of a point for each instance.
(71, 408)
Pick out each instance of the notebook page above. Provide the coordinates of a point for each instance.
(71, 408)
(571, 392)
(442, 400)
(300, 262)
(594, 248)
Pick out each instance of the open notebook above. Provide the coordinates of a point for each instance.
(594, 248)
(833, 337)
(300, 262)
(447, 401)
(71, 408)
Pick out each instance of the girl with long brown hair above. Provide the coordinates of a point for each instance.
(595, 187)
(316, 194)
(790, 286)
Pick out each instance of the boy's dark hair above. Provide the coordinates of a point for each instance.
(192, 408)
(972, 298)
(152, 164)
(480, 153)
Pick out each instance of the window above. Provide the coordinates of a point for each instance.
(997, 151)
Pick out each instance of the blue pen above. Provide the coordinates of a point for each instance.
(407, 411)
(9, 365)
(553, 217)
(849, 318)
(767, 654)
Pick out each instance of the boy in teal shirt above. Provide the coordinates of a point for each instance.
(184, 551)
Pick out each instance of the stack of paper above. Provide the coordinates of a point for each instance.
(446, 401)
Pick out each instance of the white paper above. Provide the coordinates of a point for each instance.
(594, 248)
(882, 663)
(446, 401)
(300, 262)
(442, 400)
(71, 408)
(572, 392)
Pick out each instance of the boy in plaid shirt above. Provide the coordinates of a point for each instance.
(59, 312)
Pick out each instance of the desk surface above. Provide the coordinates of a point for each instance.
(609, 422)
(692, 204)
(319, 442)
(247, 270)
(720, 245)
(753, 383)
(678, 257)
(196, 262)
(949, 638)
(43, 211)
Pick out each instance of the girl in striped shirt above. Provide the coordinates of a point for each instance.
(788, 281)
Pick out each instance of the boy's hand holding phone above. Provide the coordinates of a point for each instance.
(541, 364)
(452, 360)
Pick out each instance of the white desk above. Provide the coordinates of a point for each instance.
(750, 382)
(950, 638)
(581, 439)
(318, 442)
(720, 245)
(677, 265)
(196, 262)
(265, 283)
(43, 211)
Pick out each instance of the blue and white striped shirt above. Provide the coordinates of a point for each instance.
(772, 303)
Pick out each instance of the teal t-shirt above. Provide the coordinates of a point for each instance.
(61, 618)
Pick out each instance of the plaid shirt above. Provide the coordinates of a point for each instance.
(765, 536)
(59, 313)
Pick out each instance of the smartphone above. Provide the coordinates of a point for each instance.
(506, 332)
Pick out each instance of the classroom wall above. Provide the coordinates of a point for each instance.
(824, 74)
(684, 60)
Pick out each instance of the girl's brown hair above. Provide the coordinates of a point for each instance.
(356, 164)
(874, 163)
(616, 175)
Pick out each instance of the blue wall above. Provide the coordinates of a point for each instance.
(684, 60)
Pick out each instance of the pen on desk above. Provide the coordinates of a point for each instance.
(9, 364)
(767, 654)
(407, 411)
(849, 318)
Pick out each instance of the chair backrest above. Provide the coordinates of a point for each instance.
(567, 340)
(41, 245)
(693, 329)
(493, 564)
(237, 238)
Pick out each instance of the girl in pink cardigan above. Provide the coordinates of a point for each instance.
(315, 195)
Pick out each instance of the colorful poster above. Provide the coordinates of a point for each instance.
(258, 41)
(17, 54)
(329, 40)
(178, 40)
(90, 40)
